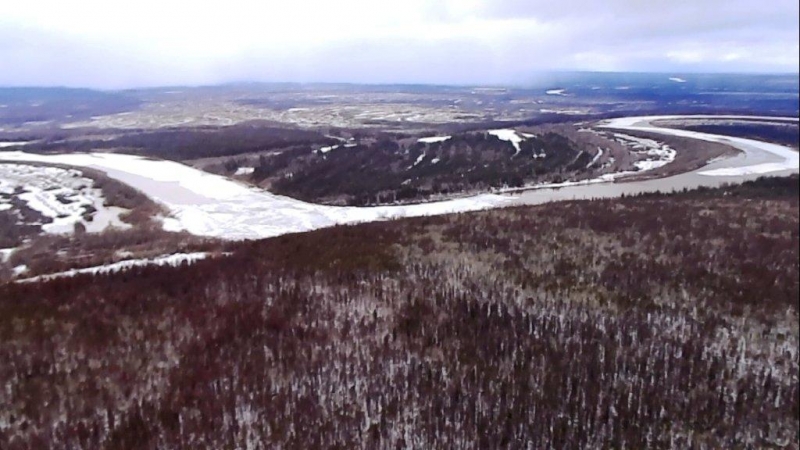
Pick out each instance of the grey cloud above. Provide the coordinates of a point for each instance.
(680, 36)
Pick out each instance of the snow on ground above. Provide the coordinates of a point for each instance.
(556, 92)
(433, 139)
(5, 253)
(605, 178)
(596, 157)
(769, 157)
(11, 144)
(63, 195)
(419, 160)
(644, 123)
(751, 170)
(677, 80)
(167, 260)
(338, 138)
(205, 204)
(510, 136)
(569, 112)
(328, 148)
(657, 155)
(245, 170)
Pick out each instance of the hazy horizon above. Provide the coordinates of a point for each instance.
(537, 81)
(95, 44)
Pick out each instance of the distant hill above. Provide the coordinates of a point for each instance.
(39, 104)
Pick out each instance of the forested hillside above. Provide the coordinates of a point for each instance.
(665, 321)
(386, 172)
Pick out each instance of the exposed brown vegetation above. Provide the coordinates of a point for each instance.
(651, 322)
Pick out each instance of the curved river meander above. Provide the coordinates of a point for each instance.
(756, 159)
(211, 205)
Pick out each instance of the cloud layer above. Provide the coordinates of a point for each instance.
(112, 44)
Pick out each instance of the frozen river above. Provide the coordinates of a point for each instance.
(211, 205)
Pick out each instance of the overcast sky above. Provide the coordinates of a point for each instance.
(114, 44)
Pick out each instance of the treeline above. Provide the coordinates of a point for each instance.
(659, 322)
(194, 143)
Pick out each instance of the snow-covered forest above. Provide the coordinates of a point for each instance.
(660, 321)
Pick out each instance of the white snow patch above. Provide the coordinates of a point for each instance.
(245, 170)
(433, 139)
(556, 92)
(328, 148)
(338, 138)
(556, 185)
(751, 170)
(11, 144)
(5, 253)
(510, 136)
(570, 112)
(419, 160)
(435, 160)
(596, 157)
(173, 260)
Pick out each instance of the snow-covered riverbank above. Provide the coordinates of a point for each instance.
(211, 205)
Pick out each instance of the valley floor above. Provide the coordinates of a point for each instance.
(210, 205)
